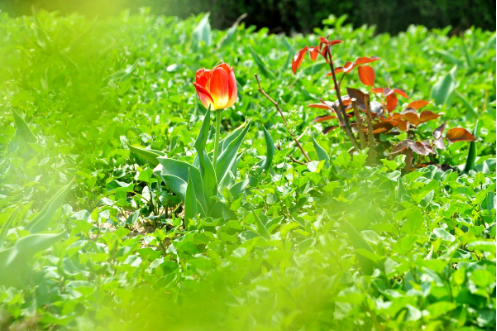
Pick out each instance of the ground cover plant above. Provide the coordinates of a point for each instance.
(104, 224)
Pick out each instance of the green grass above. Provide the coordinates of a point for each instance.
(350, 246)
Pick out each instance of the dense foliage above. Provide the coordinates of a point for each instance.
(336, 243)
(392, 16)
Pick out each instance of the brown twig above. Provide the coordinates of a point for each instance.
(342, 116)
(407, 167)
(370, 124)
(284, 119)
(360, 125)
(295, 160)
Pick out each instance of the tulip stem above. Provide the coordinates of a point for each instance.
(216, 138)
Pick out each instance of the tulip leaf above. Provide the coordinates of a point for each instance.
(209, 181)
(226, 141)
(471, 159)
(149, 155)
(322, 155)
(266, 165)
(176, 184)
(190, 200)
(443, 88)
(183, 171)
(202, 33)
(228, 156)
(23, 129)
(262, 66)
(204, 132)
(15, 261)
(40, 222)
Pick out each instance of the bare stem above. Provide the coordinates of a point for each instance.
(370, 124)
(284, 119)
(342, 116)
(360, 125)
(408, 165)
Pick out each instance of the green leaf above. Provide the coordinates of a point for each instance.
(122, 75)
(358, 242)
(444, 87)
(40, 222)
(485, 246)
(489, 202)
(266, 165)
(443, 234)
(23, 129)
(6, 228)
(202, 33)
(469, 59)
(15, 261)
(262, 66)
(414, 222)
(150, 155)
(469, 108)
(261, 228)
(322, 155)
(471, 159)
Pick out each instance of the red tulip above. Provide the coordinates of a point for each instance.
(216, 87)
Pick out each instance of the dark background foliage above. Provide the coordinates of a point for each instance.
(390, 16)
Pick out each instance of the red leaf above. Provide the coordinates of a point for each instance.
(439, 143)
(314, 51)
(323, 40)
(419, 148)
(427, 145)
(367, 76)
(400, 92)
(391, 102)
(410, 115)
(403, 126)
(365, 59)
(297, 59)
(437, 133)
(379, 130)
(320, 106)
(401, 146)
(377, 90)
(329, 129)
(358, 95)
(337, 71)
(324, 118)
(428, 115)
(417, 104)
(459, 134)
(348, 66)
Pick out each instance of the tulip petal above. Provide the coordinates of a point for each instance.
(204, 95)
(219, 88)
(233, 89)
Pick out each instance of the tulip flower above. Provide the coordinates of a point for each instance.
(217, 90)
(217, 87)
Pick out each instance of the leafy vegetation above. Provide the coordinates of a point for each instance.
(316, 236)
